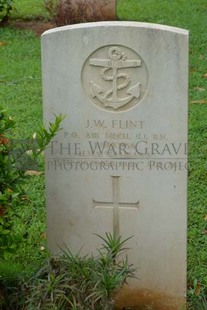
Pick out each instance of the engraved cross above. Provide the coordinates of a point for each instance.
(116, 205)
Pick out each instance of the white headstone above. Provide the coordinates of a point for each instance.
(119, 164)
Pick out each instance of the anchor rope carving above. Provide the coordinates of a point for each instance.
(110, 78)
(117, 60)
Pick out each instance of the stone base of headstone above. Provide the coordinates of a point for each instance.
(80, 11)
(142, 299)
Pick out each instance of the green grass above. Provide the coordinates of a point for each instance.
(29, 10)
(20, 92)
(20, 79)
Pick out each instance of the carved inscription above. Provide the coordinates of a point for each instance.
(117, 145)
(115, 78)
(116, 205)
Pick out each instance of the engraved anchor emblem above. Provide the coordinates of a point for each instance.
(117, 60)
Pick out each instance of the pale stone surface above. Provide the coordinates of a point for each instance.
(119, 164)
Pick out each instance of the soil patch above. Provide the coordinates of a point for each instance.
(37, 26)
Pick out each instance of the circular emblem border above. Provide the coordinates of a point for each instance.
(115, 78)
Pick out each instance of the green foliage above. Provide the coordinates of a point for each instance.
(44, 136)
(9, 190)
(5, 9)
(113, 245)
(74, 282)
(15, 159)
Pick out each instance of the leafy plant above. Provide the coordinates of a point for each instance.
(15, 158)
(71, 281)
(5, 10)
